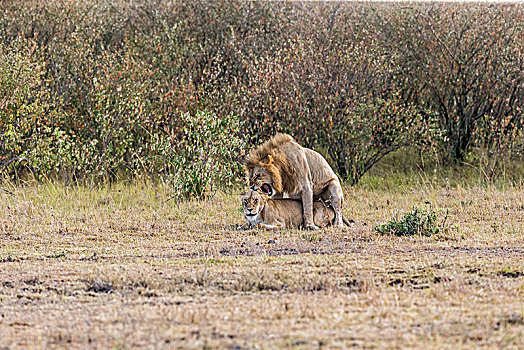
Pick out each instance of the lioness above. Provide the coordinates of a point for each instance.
(261, 211)
(280, 167)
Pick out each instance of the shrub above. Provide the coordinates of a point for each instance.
(203, 155)
(371, 130)
(334, 90)
(466, 63)
(422, 222)
(28, 116)
(102, 84)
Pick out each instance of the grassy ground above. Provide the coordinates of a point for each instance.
(121, 267)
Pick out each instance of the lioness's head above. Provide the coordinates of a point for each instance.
(260, 178)
(252, 203)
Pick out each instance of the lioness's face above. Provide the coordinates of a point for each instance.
(252, 203)
(260, 178)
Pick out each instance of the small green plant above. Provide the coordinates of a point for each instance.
(311, 237)
(423, 222)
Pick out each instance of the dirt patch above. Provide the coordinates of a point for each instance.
(99, 287)
(511, 273)
(513, 319)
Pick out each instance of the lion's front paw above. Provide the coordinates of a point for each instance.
(243, 227)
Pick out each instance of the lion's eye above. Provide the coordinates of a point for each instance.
(256, 201)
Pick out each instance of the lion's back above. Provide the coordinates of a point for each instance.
(308, 161)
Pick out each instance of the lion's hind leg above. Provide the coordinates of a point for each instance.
(336, 197)
(307, 209)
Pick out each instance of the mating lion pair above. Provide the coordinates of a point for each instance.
(298, 187)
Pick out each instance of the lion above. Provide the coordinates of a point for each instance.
(282, 168)
(262, 212)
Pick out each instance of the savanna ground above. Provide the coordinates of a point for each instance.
(123, 266)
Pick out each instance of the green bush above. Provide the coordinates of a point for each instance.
(422, 222)
(29, 128)
(203, 155)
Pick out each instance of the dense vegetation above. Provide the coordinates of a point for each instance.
(179, 90)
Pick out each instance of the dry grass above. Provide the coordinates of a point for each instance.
(121, 267)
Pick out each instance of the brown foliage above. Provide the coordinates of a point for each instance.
(353, 81)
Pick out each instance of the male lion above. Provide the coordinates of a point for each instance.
(280, 167)
(260, 211)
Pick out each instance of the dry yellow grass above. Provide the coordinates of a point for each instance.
(121, 267)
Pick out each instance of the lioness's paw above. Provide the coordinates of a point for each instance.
(312, 227)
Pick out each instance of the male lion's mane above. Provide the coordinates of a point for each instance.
(269, 156)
